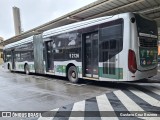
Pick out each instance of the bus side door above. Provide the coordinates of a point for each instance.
(90, 59)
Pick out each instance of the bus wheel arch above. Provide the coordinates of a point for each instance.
(72, 73)
(26, 69)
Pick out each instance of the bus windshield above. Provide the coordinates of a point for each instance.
(146, 26)
(148, 37)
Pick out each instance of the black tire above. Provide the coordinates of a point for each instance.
(72, 74)
(26, 69)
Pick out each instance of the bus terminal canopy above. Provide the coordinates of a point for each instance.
(149, 8)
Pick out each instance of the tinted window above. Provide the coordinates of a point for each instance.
(59, 43)
(17, 57)
(146, 26)
(24, 47)
(73, 46)
(7, 56)
(24, 52)
(27, 56)
(111, 43)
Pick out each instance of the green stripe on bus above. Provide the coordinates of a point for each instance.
(21, 66)
(61, 68)
(31, 67)
(118, 73)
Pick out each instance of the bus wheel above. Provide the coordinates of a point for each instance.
(26, 69)
(72, 74)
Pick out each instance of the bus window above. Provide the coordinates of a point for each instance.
(73, 46)
(7, 56)
(111, 43)
(58, 45)
(148, 38)
(17, 57)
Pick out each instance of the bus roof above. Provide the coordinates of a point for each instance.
(68, 28)
(23, 41)
(80, 25)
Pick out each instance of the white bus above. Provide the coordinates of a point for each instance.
(122, 47)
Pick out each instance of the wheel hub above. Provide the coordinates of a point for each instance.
(73, 74)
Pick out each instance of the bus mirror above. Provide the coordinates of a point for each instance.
(133, 19)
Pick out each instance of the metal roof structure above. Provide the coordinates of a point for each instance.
(99, 8)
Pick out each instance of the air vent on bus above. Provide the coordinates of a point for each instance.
(147, 43)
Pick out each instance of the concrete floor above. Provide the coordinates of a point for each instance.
(20, 92)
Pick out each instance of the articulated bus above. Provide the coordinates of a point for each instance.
(122, 47)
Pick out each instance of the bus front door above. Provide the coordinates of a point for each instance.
(90, 61)
(13, 59)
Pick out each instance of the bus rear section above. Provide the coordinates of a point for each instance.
(143, 52)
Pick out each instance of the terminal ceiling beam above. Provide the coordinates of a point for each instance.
(146, 11)
(115, 9)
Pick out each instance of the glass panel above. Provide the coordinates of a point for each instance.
(112, 68)
(26, 56)
(146, 26)
(73, 46)
(111, 43)
(17, 57)
(112, 58)
(105, 45)
(111, 32)
(7, 56)
(50, 61)
(13, 58)
(91, 55)
(112, 63)
(88, 55)
(105, 56)
(59, 46)
(95, 54)
(105, 68)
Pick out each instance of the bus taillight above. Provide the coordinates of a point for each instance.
(132, 65)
